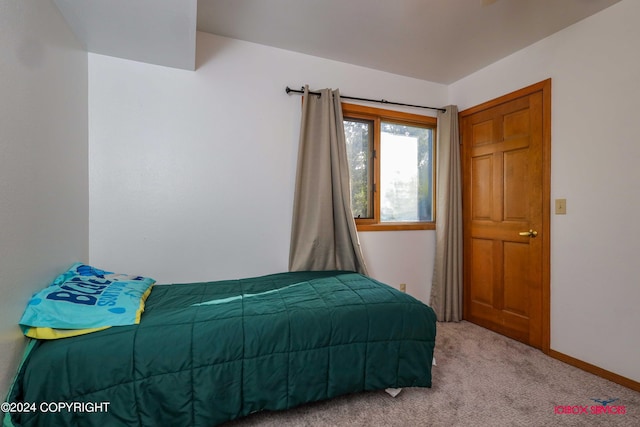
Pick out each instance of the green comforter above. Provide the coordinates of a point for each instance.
(206, 353)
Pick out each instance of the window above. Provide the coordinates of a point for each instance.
(390, 157)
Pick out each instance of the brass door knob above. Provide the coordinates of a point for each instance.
(530, 233)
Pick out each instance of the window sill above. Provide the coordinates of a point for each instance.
(397, 226)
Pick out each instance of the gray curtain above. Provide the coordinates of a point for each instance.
(323, 233)
(446, 288)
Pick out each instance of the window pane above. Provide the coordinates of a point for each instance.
(405, 173)
(359, 134)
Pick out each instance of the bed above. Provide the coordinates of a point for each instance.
(206, 353)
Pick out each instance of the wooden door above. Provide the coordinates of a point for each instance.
(505, 151)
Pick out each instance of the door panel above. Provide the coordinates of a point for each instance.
(516, 170)
(516, 264)
(482, 269)
(505, 193)
(482, 168)
(482, 133)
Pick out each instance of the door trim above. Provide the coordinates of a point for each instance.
(545, 88)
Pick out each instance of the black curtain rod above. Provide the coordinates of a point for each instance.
(381, 101)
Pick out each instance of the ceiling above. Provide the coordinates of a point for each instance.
(435, 40)
(159, 32)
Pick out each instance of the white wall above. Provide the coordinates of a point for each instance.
(192, 173)
(595, 285)
(44, 206)
(401, 257)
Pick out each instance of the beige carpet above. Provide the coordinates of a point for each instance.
(481, 379)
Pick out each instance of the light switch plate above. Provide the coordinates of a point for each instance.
(561, 206)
